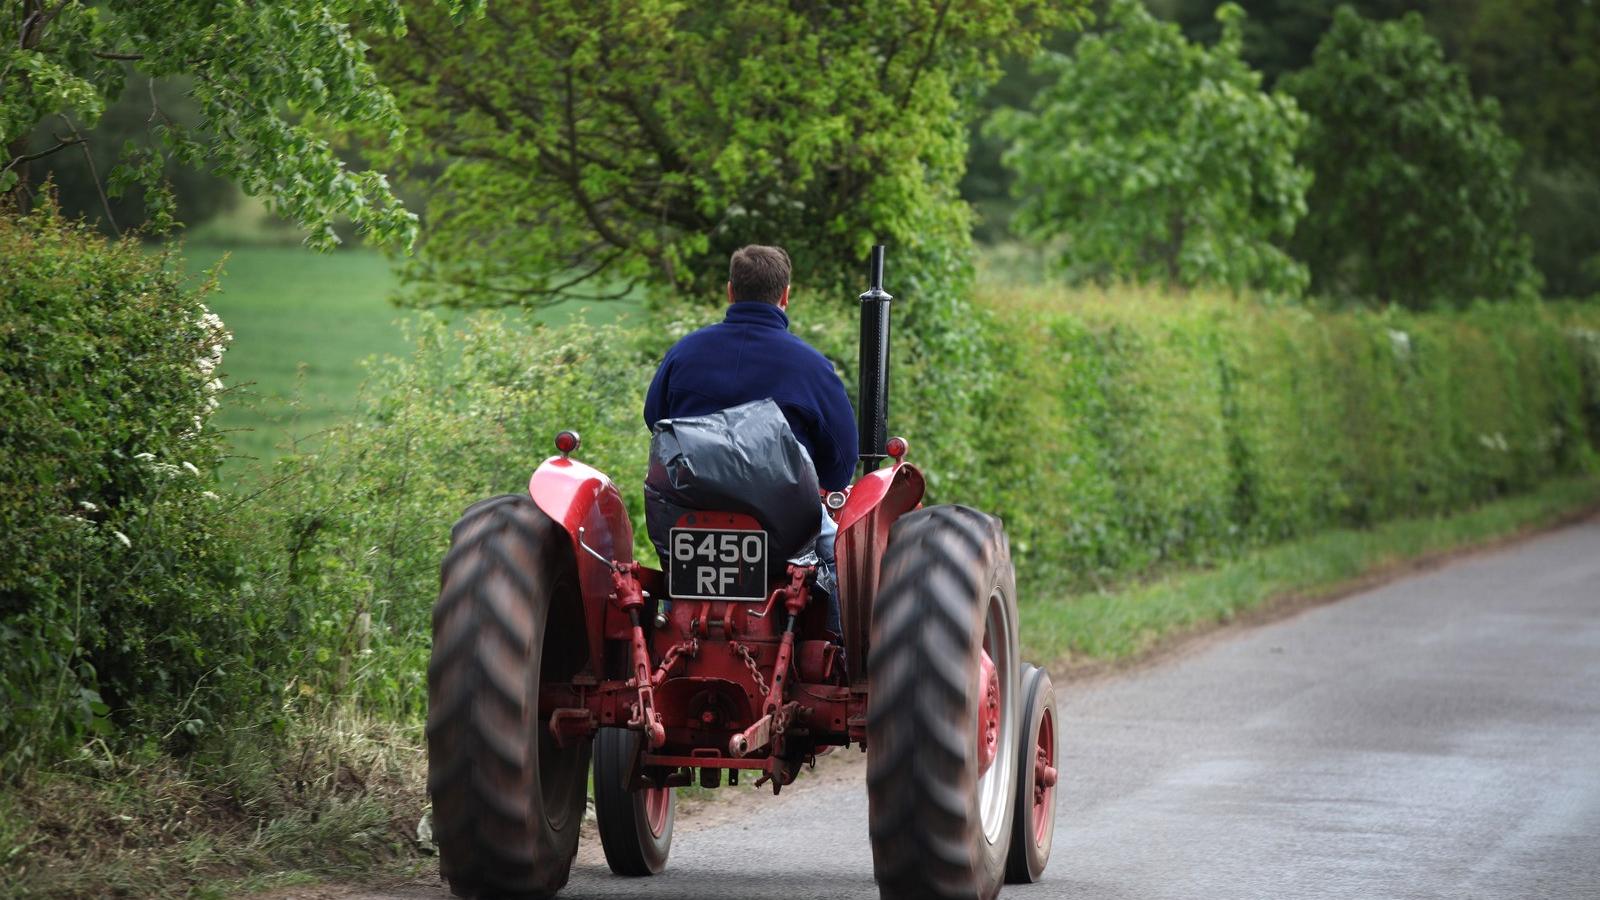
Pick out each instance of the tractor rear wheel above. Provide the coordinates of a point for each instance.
(507, 799)
(1034, 822)
(635, 826)
(941, 710)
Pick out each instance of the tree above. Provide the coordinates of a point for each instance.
(1416, 197)
(1155, 158)
(265, 77)
(587, 148)
(1280, 35)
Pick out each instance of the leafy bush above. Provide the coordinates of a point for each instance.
(1415, 198)
(1140, 430)
(114, 584)
(348, 555)
(1158, 159)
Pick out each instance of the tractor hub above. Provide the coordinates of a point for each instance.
(1044, 776)
(988, 714)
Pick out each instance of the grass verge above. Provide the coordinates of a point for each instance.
(1127, 622)
(340, 796)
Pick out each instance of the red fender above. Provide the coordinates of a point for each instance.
(875, 502)
(579, 496)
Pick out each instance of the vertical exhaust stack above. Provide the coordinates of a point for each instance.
(872, 414)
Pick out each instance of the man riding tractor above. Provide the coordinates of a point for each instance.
(775, 631)
(751, 355)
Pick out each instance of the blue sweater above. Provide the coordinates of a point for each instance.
(750, 355)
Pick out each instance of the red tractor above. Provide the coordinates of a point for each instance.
(554, 651)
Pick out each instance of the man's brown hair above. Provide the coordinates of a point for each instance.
(759, 273)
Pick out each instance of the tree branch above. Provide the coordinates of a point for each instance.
(30, 157)
(94, 175)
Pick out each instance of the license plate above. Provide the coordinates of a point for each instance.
(718, 564)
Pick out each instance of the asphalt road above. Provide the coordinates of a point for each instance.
(1435, 737)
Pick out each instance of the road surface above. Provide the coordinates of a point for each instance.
(1435, 737)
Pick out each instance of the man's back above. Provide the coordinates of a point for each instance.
(751, 355)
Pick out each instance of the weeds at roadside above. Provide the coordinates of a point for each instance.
(341, 793)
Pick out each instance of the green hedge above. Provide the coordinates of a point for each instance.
(115, 578)
(1145, 430)
(1114, 433)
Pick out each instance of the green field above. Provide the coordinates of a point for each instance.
(303, 324)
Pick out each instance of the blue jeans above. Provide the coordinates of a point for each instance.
(828, 569)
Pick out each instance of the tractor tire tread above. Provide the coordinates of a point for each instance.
(919, 677)
(506, 555)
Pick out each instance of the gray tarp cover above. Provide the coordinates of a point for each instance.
(744, 460)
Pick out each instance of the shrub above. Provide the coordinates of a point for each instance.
(1135, 430)
(1415, 197)
(114, 603)
(349, 550)
(1158, 159)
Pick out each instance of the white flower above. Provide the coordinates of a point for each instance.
(144, 456)
(88, 506)
(123, 538)
(192, 470)
(210, 495)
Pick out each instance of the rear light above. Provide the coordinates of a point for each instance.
(567, 442)
(896, 448)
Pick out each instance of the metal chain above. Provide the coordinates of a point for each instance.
(755, 670)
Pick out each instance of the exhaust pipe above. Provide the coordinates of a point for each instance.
(872, 415)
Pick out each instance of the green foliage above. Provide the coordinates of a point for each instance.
(265, 77)
(114, 586)
(1565, 231)
(350, 542)
(196, 195)
(1117, 435)
(1280, 35)
(1415, 199)
(1541, 60)
(588, 147)
(1140, 430)
(1157, 159)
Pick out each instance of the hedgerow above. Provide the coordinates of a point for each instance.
(1139, 431)
(116, 573)
(1114, 432)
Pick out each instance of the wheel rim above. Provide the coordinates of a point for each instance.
(657, 804)
(1044, 776)
(995, 785)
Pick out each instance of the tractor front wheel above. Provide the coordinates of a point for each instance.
(507, 799)
(1034, 824)
(635, 826)
(942, 728)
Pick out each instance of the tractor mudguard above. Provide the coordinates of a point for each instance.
(577, 497)
(875, 502)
